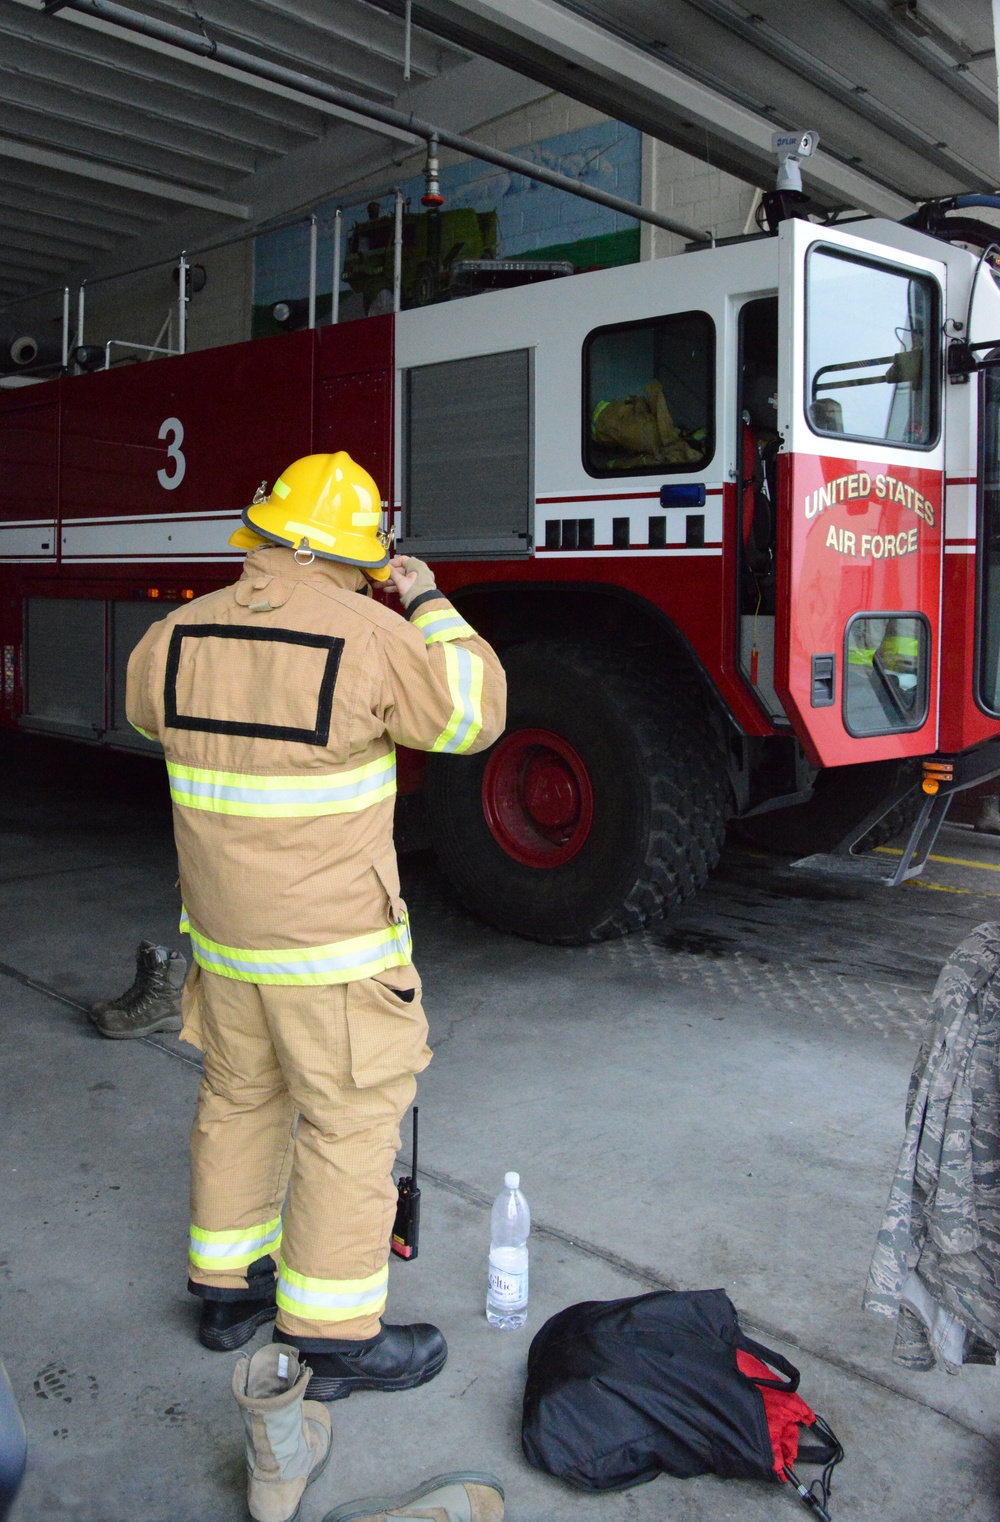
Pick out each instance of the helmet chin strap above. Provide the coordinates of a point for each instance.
(304, 555)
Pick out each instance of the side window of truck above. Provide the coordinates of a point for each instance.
(886, 670)
(649, 396)
(872, 344)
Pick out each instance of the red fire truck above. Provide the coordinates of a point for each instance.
(732, 518)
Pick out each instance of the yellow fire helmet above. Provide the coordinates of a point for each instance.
(329, 505)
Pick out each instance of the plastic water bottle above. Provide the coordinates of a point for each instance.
(510, 1223)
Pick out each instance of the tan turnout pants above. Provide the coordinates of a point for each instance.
(304, 1089)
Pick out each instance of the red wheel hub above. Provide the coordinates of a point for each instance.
(537, 798)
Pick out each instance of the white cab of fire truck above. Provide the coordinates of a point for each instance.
(754, 440)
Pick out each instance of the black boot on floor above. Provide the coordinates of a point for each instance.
(228, 1324)
(399, 1358)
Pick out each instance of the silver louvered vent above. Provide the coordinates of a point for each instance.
(468, 467)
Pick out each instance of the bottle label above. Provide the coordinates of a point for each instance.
(507, 1288)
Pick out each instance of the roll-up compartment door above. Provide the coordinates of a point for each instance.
(64, 665)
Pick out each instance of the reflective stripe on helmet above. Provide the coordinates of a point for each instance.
(298, 797)
(341, 962)
(441, 625)
(217, 1251)
(465, 683)
(331, 1299)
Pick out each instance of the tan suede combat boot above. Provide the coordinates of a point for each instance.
(462, 1497)
(288, 1437)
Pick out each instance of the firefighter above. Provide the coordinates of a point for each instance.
(278, 702)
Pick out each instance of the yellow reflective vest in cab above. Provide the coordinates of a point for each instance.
(279, 702)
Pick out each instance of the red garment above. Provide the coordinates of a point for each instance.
(784, 1409)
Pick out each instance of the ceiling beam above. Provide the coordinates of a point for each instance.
(211, 66)
(760, 34)
(106, 174)
(103, 82)
(142, 71)
(32, 260)
(345, 59)
(368, 28)
(21, 232)
(957, 77)
(72, 117)
(67, 212)
(555, 43)
(137, 22)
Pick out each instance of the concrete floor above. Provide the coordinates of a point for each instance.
(717, 1102)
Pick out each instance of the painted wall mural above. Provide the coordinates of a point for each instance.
(488, 213)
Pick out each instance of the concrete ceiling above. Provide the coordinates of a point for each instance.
(111, 144)
(106, 136)
(902, 92)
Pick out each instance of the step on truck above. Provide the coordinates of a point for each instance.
(731, 518)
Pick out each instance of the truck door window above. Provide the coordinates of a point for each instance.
(886, 661)
(989, 539)
(649, 396)
(871, 351)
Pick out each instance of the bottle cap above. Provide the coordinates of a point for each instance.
(512, 1181)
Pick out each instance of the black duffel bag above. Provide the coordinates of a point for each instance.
(620, 1391)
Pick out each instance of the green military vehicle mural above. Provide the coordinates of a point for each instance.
(432, 242)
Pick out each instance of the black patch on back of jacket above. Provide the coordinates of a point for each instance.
(255, 730)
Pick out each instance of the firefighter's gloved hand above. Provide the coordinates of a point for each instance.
(411, 577)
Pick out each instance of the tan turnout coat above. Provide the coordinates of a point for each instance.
(279, 702)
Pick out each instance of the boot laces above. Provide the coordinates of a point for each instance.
(151, 984)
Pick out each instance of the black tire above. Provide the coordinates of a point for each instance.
(843, 796)
(657, 771)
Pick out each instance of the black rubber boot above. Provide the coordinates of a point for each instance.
(152, 1004)
(399, 1358)
(228, 1324)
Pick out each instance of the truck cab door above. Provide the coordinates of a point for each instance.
(861, 479)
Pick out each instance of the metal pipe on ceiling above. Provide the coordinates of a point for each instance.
(205, 47)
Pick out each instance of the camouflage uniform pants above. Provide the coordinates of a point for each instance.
(942, 1222)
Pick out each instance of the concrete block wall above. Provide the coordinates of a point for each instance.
(135, 306)
(695, 193)
(549, 117)
(673, 181)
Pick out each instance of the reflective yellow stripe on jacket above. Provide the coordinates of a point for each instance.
(340, 962)
(288, 797)
(442, 624)
(464, 670)
(219, 1251)
(331, 1299)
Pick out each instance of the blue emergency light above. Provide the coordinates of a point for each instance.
(691, 494)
